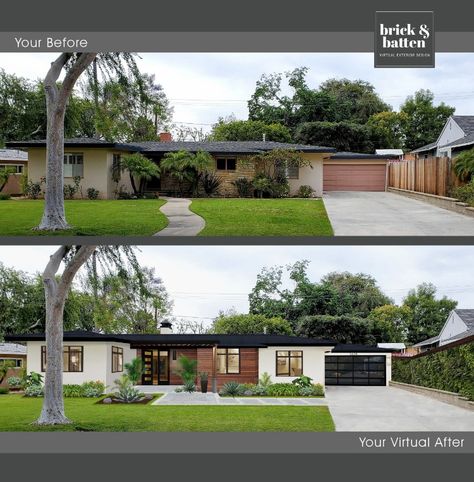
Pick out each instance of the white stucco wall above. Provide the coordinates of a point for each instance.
(310, 175)
(313, 362)
(97, 361)
(453, 326)
(388, 362)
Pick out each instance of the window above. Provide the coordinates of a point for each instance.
(73, 164)
(226, 164)
(117, 359)
(73, 358)
(289, 363)
(228, 360)
(291, 171)
(16, 168)
(116, 168)
(13, 362)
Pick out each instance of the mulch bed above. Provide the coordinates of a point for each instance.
(144, 401)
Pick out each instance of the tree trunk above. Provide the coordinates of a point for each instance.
(54, 217)
(132, 182)
(56, 293)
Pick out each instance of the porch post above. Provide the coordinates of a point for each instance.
(214, 369)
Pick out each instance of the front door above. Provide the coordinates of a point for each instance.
(155, 367)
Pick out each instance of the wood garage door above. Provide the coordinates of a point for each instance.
(354, 177)
(356, 370)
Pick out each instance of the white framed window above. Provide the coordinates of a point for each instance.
(73, 164)
(18, 168)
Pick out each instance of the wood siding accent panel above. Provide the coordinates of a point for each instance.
(354, 177)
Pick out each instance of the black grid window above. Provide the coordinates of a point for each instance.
(73, 358)
(117, 359)
(289, 363)
(228, 360)
(226, 164)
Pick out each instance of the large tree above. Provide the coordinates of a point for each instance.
(424, 119)
(57, 288)
(73, 65)
(249, 130)
(233, 323)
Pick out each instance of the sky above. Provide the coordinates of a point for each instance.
(205, 86)
(202, 280)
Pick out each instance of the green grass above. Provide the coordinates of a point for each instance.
(263, 217)
(17, 414)
(89, 218)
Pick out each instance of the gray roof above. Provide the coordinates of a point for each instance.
(13, 155)
(465, 122)
(459, 336)
(466, 140)
(429, 341)
(467, 316)
(12, 349)
(358, 155)
(428, 147)
(234, 147)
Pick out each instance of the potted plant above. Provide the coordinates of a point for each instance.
(204, 379)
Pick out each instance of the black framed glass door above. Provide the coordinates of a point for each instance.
(155, 367)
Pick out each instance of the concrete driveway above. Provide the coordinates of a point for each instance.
(391, 409)
(389, 214)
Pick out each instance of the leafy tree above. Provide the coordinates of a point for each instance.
(429, 313)
(343, 329)
(135, 370)
(140, 169)
(248, 324)
(248, 130)
(390, 322)
(275, 162)
(344, 136)
(424, 119)
(186, 167)
(387, 129)
(463, 165)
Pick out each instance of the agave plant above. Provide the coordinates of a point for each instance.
(126, 392)
(189, 386)
(231, 389)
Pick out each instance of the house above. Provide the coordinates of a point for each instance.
(456, 136)
(18, 162)
(15, 355)
(393, 154)
(241, 358)
(96, 162)
(459, 326)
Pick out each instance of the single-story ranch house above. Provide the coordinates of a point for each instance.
(94, 161)
(242, 358)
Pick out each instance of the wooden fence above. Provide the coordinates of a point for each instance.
(433, 175)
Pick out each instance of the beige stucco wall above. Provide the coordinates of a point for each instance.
(97, 362)
(313, 362)
(310, 175)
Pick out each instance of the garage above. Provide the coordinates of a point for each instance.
(355, 172)
(366, 370)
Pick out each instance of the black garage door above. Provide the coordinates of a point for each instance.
(355, 370)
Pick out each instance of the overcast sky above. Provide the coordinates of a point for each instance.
(205, 279)
(204, 86)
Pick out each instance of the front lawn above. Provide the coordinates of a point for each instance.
(17, 414)
(89, 218)
(263, 217)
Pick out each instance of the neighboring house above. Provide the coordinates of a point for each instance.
(456, 136)
(242, 358)
(392, 154)
(95, 161)
(15, 355)
(18, 161)
(458, 326)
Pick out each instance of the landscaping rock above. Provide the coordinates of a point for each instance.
(107, 400)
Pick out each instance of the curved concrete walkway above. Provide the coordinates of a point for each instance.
(181, 221)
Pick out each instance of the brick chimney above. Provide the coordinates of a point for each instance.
(165, 137)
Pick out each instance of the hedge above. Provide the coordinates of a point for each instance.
(451, 370)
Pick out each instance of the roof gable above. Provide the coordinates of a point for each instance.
(465, 122)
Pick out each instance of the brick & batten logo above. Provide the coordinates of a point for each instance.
(404, 39)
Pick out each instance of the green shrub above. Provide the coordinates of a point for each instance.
(15, 382)
(244, 187)
(126, 392)
(265, 380)
(465, 193)
(314, 390)
(189, 386)
(4, 390)
(72, 391)
(260, 390)
(451, 370)
(4, 196)
(231, 389)
(210, 182)
(187, 369)
(33, 190)
(283, 390)
(92, 193)
(305, 191)
(303, 381)
(34, 391)
(33, 379)
(93, 389)
(134, 370)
